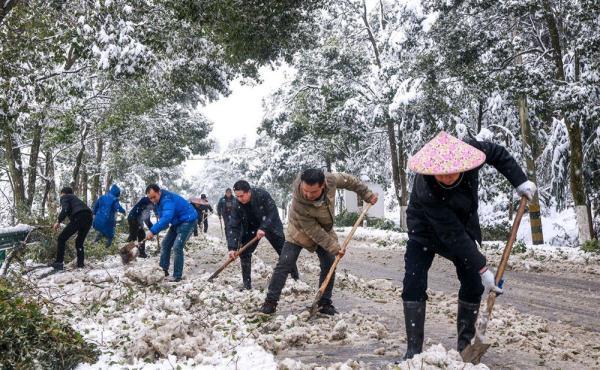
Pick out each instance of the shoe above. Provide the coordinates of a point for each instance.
(142, 250)
(465, 323)
(414, 321)
(327, 309)
(173, 279)
(166, 272)
(80, 265)
(57, 266)
(269, 307)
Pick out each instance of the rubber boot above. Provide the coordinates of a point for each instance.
(414, 321)
(246, 272)
(465, 323)
(142, 250)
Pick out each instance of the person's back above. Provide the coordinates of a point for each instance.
(104, 213)
(173, 209)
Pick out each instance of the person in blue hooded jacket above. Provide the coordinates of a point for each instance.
(173, 210)
(104, 211)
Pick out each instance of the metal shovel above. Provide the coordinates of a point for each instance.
(473, 352)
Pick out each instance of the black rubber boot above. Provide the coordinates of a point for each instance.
(465, 323)
(414, 321)
(246, 273)
(57, 266)
(142, 250)
(269, 307)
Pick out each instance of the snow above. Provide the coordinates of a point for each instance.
(139, 321)
(15, 229)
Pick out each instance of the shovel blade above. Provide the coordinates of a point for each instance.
(315, 306)
(473, 352)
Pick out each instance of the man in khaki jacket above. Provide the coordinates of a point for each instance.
(310, 226)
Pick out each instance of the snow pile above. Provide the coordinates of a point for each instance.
(545, 257)
(374, 238)
(15, 229)
(437, 357)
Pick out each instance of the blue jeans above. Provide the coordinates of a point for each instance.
(175, 239)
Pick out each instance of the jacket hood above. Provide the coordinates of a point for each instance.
(114, 190)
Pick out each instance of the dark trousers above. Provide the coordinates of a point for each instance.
(80, 223)
(136, 230)
(417, 261)
(277, 242)
(287, 261)
(204, 221)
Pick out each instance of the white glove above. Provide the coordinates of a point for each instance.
(526, 189)
(489, 282)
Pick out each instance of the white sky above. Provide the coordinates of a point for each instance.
(240, 113)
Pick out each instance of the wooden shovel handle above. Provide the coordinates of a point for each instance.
(229, 260)
(506, 254)
(511, 240)
(343, 248)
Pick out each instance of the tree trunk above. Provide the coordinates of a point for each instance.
(535, 218)
(83, 186)
(15, 172)
(584, 223)
(95, 189)
(391, 133)
(480, 115)
(50, 186)
(403, 180)
(32, 170)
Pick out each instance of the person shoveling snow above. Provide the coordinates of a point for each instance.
(442, 219)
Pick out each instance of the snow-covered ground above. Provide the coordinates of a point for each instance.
(544, 257)
(138, 320)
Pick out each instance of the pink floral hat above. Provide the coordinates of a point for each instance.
(444, 155)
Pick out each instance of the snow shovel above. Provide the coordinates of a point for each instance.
(314, 307)
(473, 352)
(237, 253)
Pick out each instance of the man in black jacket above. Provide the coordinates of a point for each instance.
(254, 213)
(80, 222)
(442, 219)
(138, 216)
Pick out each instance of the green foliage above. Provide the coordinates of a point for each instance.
(345, 219)
(30, 339)
(591, 246)
(519, 247)
(382, 223)
(498, 231)
(254, 32)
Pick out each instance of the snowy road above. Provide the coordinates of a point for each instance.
(548, 319)
(140, 321)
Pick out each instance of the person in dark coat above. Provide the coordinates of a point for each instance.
(442, 219)
(225, 207)
(203, 208)
(138, 216)
(254, 213)
(180, 217)
(80, 222)
(104, 211)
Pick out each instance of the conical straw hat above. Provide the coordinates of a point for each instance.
(444, 155)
